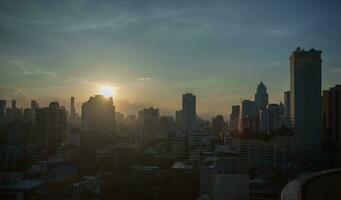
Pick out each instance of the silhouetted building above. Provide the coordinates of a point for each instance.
(119, 119)
(305, 98)
(250, 124)
(234, 118)
(34, 105)
(331, 137)
(2, 110)
(274, 116)
(166, 124)
(149, 119)
(178, 118)
(50, 127)
(249, 120)
(189, 112)
(261, 97)
(249, 109)
(98, 115)
(286, 115)
(218, 124)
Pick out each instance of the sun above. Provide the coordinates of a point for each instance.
(107, 90)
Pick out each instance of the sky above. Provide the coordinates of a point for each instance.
(152, 52)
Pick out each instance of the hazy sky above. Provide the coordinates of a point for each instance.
(154, 51)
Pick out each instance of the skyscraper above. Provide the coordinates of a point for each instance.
(331, 137)
(249, 109)
(234, 118)
(287, 104)
(305, 98)
(261, 97)
(50, 127)
(218, 124)
(72, 109)
(98, 115)
(2, 108)
(189, 112)
(149, 121)
(273, 116)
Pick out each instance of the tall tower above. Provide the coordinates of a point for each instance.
(189, 112)
(261, 97)
(98, 115)
(72, 109)
(2, 108)
(50, 127)
(305, 98)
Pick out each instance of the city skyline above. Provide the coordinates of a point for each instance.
(154, 53)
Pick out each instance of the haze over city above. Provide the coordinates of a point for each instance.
(151, 52)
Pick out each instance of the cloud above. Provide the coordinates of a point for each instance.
(29, 69)
(144, 79)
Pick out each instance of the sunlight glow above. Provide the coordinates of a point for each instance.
(107, 91)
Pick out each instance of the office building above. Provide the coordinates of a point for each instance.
(98, 115)
(188, 112)
(274, 116)
(234, 118)
(331, 137)
(218, 124)
(305, 98)
(149, 122)
(166, 124)
(261, 97)
(50, 127)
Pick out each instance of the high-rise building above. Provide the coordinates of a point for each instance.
(264, 121)
(261, 97)
(98, 115)
(2, 109)
(50, 127)
(218, 124)
(305, 98)
(178, 118)
(331, 137)
(189, 112)
(234, 118)
(274, 116)
(249, 119)
(166, 124)
(249, 109)
(72, 109)
(34, 105)
(149, 121)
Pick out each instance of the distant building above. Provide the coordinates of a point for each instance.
(166, 124)
(2, 110)
(305, 98)
(149, 121)
(50, 127)
(249, 109)
(98, 115)
(249, 124)
(262, 152)
(261, 97)
(273, 116)
(249, 120)
(119, 119)
(286, 115)
(178, 118)
(218, 124)
(234, 118)
(189, 112)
